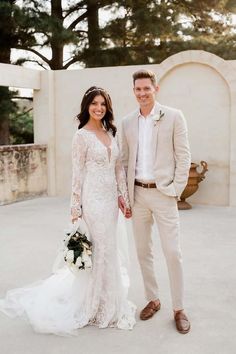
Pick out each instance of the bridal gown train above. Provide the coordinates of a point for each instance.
(64, 302)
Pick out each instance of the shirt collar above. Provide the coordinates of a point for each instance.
(150, 114)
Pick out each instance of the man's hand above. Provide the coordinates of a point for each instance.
(127, 212)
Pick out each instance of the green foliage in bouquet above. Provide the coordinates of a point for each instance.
(78, 250)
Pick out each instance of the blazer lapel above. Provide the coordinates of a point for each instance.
(155, 130)
(135, 131)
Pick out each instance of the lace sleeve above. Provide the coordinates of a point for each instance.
(78, 162)
(121, 181)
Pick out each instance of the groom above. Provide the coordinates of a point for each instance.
(156, 157)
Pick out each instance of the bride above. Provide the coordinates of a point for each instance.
(64, 302)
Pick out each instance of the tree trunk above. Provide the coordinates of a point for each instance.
(4, 130)
(93, 34)
(5, 52)
(56, 63)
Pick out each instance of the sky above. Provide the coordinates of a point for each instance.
(105, 15)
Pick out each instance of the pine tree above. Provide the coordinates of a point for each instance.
(139, 31)
(48, 25)
(150, 31)
(7, 40)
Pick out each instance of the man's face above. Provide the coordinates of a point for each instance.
(145, 91)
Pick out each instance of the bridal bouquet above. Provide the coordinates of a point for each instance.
(77, 249)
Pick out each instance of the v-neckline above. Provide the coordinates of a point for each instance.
(108, 147)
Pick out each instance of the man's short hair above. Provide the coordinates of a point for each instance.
(145, 74)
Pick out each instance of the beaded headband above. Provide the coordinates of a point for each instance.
(95, 89)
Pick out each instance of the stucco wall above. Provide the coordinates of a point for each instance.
(205, 100)
(201, 84)
(194, 85)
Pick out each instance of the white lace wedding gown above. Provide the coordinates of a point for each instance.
(64, 302)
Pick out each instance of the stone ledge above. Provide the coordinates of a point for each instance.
(23, 147)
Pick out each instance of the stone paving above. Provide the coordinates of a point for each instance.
(30, 233)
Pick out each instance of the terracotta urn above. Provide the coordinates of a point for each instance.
(194, 179)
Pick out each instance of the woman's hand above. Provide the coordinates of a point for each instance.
(73, 220)
(126, 211)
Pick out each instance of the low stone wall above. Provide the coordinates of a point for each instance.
(23, 172)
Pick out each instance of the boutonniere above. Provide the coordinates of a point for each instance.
(158, 117)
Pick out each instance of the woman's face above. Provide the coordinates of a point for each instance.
(97, 108)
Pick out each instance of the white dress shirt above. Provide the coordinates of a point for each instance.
(145, 160)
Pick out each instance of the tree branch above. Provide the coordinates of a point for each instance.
(40, 32)
(80, 31)
(37, 62)
(79, 19)
(70, 62)
(23, 113)
(24, 98)
(35, 52)
(74, 8)
(21, 61)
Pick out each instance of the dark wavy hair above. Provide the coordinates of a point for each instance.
(107, 120)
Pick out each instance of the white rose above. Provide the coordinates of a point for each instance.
(85, 257)
(66, 241)
(65, 253)
(86, 246)
(78, 262)
(157, 117)
(88, 263)
(70, 256)
(89, 252)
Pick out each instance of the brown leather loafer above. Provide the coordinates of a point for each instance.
(149, 310)
(182, 323)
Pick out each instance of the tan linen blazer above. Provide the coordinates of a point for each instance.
(171, 153)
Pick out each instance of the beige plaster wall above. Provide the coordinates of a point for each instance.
(16, 76)
(203, 95)
(194, 85)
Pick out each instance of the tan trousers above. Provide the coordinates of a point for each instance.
(149, 204)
